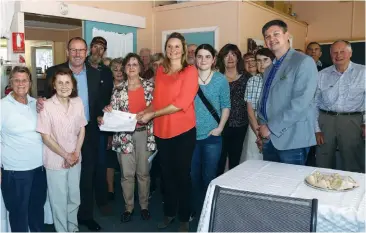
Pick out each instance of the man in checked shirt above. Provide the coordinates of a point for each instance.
(340, 98)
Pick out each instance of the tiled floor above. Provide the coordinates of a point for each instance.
(114, 224)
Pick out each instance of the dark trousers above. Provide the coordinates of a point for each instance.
(176, 155)
(233, 139)
(101, 186)
(24, 194)
(155, 173)
(89, 153)
(311, 160)
(344, 132)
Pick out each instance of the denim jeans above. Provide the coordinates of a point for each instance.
(293, 156)
(206, 157)
(24, 194)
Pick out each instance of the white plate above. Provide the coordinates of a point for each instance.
(330, 190)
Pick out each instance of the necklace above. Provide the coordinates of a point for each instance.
(204, 81)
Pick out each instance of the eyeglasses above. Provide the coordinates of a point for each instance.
(22, 81)
(75, 51)
(251, 61)
(134, 65)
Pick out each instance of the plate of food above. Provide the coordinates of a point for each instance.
(331, 182)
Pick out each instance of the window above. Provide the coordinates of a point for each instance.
(44, 58)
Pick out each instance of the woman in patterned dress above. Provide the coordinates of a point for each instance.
(134, 148)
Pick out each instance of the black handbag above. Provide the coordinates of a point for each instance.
(210, 108)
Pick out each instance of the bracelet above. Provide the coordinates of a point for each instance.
(154, 115)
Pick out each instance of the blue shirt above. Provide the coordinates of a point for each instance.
(267, 85)
(83, 90)
(21, 145)
(217, 92)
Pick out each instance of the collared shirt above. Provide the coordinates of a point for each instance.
(319, 63)
(63, 126)
(82, 81)
(341, 92)
(267, 85)
(21, 145)
(253, 90)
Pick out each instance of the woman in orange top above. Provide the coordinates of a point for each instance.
(176, 85)
(133, 148)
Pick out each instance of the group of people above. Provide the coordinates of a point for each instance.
(196, 107)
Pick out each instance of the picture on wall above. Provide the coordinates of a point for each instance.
(254, 45)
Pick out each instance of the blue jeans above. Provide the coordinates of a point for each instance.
(293, 156)
(205, 160)
(24, 194)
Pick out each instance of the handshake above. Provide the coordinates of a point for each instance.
(144, 117)
(71, 159)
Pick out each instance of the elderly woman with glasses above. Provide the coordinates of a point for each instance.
(264, 58)
(23, 178)
(133, 149)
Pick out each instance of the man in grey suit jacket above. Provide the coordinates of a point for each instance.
(286, 106)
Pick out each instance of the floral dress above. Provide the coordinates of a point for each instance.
(122, 141)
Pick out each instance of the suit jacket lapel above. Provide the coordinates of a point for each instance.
(281, 71)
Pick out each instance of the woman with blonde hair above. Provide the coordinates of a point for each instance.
(176, 85)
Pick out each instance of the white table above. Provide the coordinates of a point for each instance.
(337, 211)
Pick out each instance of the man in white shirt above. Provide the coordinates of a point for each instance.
(340, 98)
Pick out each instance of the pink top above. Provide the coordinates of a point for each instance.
(63, 126)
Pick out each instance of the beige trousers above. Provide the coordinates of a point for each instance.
(64, 193)
(136, 164)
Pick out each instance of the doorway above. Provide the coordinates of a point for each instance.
(46, 39)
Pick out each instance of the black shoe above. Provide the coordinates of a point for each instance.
(91, 224)
(110, 196)
(126, 216)
(145, 214)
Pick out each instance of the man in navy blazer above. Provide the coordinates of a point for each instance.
(286, 106)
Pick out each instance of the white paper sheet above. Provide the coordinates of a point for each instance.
(117, 121)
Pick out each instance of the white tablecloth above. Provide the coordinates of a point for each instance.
(337, 211)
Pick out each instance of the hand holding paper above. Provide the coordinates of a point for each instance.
(117, 121)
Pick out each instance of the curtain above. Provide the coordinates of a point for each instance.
(118, 45)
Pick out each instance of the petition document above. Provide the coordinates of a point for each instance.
(117, 121)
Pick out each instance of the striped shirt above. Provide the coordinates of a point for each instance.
(63, 126)
(341, 92)
(253, 90)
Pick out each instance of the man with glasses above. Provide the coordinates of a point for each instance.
(88, 84)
